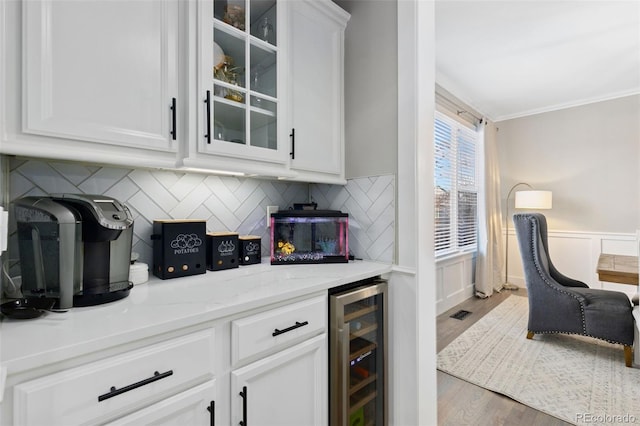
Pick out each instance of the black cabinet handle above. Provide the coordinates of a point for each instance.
(243, 394)
(277, 332)
(292, 135)
(207, 101)
(173, 118)
(212, 409)
(115, 392)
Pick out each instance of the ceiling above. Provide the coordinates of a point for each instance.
(513, 58)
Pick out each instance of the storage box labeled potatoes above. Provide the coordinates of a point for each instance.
(222, 250)
(179, 248)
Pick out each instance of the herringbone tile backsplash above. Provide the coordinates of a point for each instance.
(226, 203)
(370, 203)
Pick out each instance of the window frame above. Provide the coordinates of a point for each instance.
(453, 239)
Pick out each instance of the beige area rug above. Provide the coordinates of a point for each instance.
(577, 379)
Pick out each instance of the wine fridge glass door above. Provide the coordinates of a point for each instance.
(358, 356)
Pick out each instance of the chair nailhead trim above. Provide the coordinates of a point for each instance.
(554, 286)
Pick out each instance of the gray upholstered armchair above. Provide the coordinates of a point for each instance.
(558, 304)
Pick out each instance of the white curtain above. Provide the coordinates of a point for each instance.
(490, 257)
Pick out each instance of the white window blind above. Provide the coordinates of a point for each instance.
(456, 186)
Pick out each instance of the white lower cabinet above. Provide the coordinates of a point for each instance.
(275, 356)
(97, 392)
(288, 388)
(193, 407)
(260, 334)
(279, 373)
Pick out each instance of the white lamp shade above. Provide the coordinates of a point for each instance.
(533, 200)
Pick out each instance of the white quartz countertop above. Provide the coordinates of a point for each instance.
(159, 306)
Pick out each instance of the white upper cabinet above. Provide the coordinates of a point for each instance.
(253, 87)
(240, 87)
(316, 74)
(101, 71)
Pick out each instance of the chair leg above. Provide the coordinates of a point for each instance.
(530, 334)
(628, 355)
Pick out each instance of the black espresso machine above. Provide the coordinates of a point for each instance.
(75, 248)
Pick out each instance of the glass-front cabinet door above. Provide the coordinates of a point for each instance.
(240, 61)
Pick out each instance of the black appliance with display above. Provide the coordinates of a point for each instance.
(75, 248)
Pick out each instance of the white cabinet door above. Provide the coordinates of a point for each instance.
(288, 388)
(316, 40)
(193, 407)
(101, 71)
(238, 105)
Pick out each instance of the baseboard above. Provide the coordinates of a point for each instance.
(454, 299)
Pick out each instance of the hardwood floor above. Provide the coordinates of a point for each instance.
(461, 403)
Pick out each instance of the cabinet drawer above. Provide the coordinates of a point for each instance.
(101, 390)
(189, 408)
(277, 328)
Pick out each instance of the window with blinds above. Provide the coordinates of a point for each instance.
(456, 186)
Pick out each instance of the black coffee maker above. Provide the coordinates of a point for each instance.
(75, 248)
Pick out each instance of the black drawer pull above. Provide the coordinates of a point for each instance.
(212, 410)
(173, 118)
(277, 332)
(116, 392)
(207, 102)
(243, 394)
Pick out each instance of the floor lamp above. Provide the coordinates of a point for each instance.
(531, 199)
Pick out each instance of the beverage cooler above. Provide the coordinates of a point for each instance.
(358, 355)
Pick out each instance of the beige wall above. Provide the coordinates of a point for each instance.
(371, 88)
(588, 156)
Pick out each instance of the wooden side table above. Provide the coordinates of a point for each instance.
(623, 270)
(619, 269)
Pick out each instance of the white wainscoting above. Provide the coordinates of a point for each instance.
(454, 280)
(575, 254)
